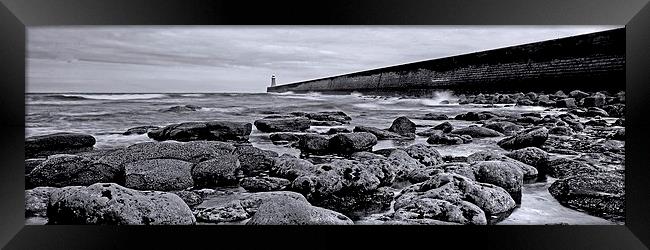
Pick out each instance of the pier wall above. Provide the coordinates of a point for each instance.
(593, 61)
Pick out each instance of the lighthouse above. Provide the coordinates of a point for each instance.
(272, 80)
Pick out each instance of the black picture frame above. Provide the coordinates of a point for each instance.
(17, 15)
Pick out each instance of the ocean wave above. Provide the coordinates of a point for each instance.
(192, 95)
(108, 96)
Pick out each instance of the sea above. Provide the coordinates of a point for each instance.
(107, 115)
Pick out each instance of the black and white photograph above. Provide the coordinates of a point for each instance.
(325, 125)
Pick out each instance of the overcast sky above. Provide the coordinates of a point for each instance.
(242, 59)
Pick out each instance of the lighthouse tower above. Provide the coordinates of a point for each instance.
(273, 81)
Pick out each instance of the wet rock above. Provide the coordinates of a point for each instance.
(566, 103)
(313, 144)
(253, 160)
(325, 123)
(529, 120)
(434, 116)
(222, 170)
(560, 94)
(366, 156)
(596, 122)
(620, 122)
(424, 174)
(473, 116)
(57, 143)
(449, 139)
(139, 130)
(444, 127)
(264, 184)
(461, 212)
(529, 171)
(459, 191)
(111, 204)
(158, 174)
(333, 131)
(531, 155)
(477, 132)
(504, 127)
(282, 124)
(403, 126)
(381, 134)
(430, 132)
(284, 136)
(193, 152)
(597, 100)
(186, 108)
(533, 137)
(239, 206)
(619, 134)
(288, 211)
(190, 198)
(30, 164)
(561, 130)
(563, 168)
(615, 110)
(197, 131)
(352, 142)
(578, 94)
(36, 201)
(290, 167)
(425, 154)
(503, 174)
(70, 170)
(599, 194)
(336, 116)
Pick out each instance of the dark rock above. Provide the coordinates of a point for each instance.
(337, 116)
(529, 171)
(238, 206)
(158, 174)
(197, 131)
(430, 132)
(325, 123)
(434, 116)
(288, 211)
(561, 130)
(222, 170)
(472, 116)
(620, 122)
(254, 160)
(531, 155)
(619, 134)
(333, 131)
(57, 143)
(313, 144)
(193, 152)
(70, 170)
(282, 124)
(596, 122)
(578, 94)
(352, 142)
(504, 127)
(560, 94)
(363, 155)
(424, 174)
(615, 110)
(283, 136)
(566, 103)
(185, 108)
(36, 201)
(529, 120)
(599, 194)
(449, 139)
(403, 126)
(30, 164)
(562, 168)
(533, 137)
(525, 102)
(111, 204)
(139, 130)
(264, 184)
(425, 154)
(503, 174)
(594, 101)
(190, 198)
(381, 134)
(445, 127)
(477, 132)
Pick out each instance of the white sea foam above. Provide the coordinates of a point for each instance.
(116, 96)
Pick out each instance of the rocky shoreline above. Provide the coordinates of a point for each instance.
(208, 172)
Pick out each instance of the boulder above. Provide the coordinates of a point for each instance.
(198, 131)
(620, 122)
(599, 194)
(423, 174)
(578, 94)
(430, 132)
(284, 136)
(72, 170)
(31, 164)
(352, 142)
(158, 174)
(282, 124)
(403, 126)
(112, 204)
(473, 116)
(288, 211)
(337, 116)
(529, 171)
(597, 100)
(444, 127)
(381, 134)
(57, 143)
(531, 155)
(193, 152)
(477, 132)
(324, 123)
(222, 170)
(264, 184)
(186, 108)
(503, 174)
(313, 144)
(615, 110)
(139, 130)
(434, 116)
(333, 131)
(504, 127)
(563, 168)
(449, 139)
(425, 154)
(619, 134)
(561, 130)
(254, 160)
(190, 198)
(36, 201)
(533, 137)
(234, 207)
(566, 103)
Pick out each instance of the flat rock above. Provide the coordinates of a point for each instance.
(531, 155)
(477, 132)
(600, 194)
(197, 131)
(57, 143)
(348, 143)
(193, 152)
(425, 154)
(288, 211)
(140, 130)
(158, 174)
(72, 170)
(223, 170)
(449, 139)
(238, 206)
(533, 137)
(264, 184)
(36, 201)
(112, 204)
(381, 134)
(504, 127)
(253, 160)
(282, 124)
